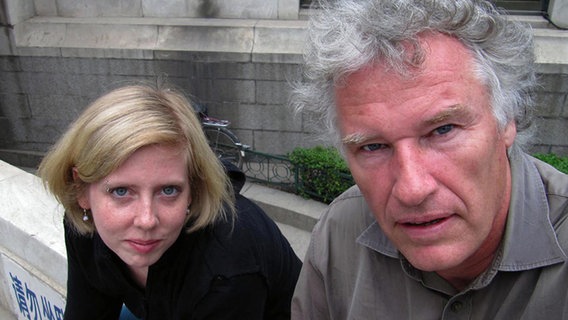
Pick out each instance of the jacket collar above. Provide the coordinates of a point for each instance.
(530, 240)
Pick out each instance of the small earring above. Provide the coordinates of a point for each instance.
(85, 216)
(187, 212)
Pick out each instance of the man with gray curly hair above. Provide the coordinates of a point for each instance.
(430, 103)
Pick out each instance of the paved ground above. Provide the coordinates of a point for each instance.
(298, 238)
(293, 214)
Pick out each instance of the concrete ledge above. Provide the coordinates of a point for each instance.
(238, 39)
(551, 50)
(32, 249)
(284, 207)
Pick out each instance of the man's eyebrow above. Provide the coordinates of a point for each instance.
(355, 138)
(454, 111)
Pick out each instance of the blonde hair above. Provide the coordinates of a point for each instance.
(115, 126)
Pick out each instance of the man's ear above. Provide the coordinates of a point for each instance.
(82, 198)
(510, 133)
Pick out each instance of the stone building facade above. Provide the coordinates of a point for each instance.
(238, 57)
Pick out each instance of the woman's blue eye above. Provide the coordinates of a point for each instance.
(444, 129)
(120, 191)
(169, 190)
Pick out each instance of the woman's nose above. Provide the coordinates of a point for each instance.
(146, 216)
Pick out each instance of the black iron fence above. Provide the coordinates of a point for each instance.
(278, 171)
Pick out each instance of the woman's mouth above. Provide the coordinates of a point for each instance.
(143, 246)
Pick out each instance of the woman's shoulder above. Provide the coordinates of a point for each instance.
(243, 242)
(249, 226)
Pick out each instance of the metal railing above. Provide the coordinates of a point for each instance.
(279, 172)
(274, 170)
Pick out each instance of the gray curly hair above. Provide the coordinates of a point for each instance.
(346, 35)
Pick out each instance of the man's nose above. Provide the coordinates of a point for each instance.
(413, 180)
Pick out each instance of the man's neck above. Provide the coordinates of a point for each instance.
(461, 276)
(460, 279)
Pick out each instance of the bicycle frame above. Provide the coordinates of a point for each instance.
(223, 141)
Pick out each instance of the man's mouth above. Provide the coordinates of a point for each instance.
(424, 224)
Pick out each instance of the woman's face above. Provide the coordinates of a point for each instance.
(140, 208)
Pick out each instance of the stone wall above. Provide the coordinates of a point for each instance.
(40, 96)
(552, 115)
(51, 67)
(33, 263)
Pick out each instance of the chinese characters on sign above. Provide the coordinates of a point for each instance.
(33, 299)
(30, 306)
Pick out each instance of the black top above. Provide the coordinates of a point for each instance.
(241, 270)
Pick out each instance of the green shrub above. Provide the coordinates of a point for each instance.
(321, 173)
(560, 163)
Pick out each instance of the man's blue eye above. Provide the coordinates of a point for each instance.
(169, 190)
(120, 191)
(372, 147)
(444, 129)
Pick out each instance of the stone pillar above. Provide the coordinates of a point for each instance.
(558, 12)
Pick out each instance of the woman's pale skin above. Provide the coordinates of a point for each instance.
(430, 159)
(140, 208)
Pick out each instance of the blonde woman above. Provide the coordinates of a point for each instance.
(153, 222)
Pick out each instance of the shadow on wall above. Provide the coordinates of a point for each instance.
(208, 9)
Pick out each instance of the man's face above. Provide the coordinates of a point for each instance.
(429, 158)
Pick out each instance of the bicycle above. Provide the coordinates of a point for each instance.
(222, 140)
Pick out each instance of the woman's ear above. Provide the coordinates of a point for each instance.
(82, 198)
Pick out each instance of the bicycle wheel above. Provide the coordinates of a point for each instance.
(225, 144)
